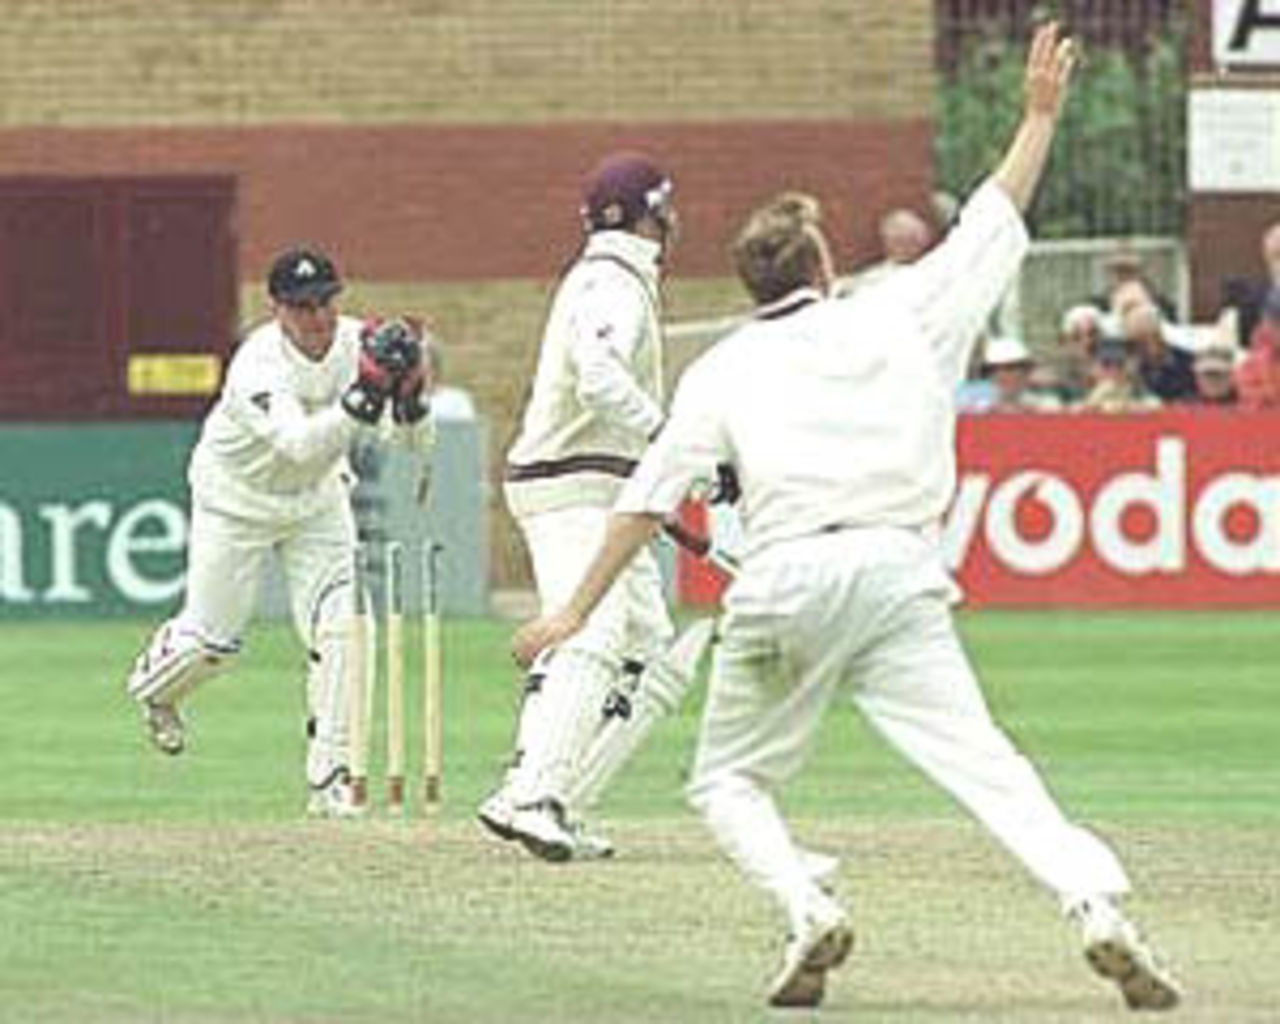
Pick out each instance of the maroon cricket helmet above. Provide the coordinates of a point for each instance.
(622, 190)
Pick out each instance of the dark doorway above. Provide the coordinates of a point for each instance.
(98, 272)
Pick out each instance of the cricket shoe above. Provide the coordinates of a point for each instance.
(589, 845)
(164, 727)
(544, 831)
(1115, 951)
(335, 797)
(820, 943)
(496, 814)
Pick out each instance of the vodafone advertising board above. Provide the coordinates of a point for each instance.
(1170, 509)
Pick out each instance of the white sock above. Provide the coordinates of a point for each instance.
(745, 822)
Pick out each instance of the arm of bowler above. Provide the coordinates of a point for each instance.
(955, 288)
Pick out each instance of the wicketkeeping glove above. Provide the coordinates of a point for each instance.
(366, 397)
(394, 344)
(390, 351)
(409, 403)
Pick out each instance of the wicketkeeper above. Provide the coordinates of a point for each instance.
(270, 474)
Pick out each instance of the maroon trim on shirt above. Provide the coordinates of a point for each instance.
(610, 465)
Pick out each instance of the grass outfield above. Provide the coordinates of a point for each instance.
(139, 888)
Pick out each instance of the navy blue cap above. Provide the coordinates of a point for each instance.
(303, 274)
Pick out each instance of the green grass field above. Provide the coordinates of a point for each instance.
(139, 888)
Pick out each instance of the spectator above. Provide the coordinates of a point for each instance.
(1128, 294)
(1166, 368)
(1124, 268)
(1213, 369)
(1257, 378)
(1271, 252)
(1247, 296)
(905, 236)
(945, 208)
(1117, 384)
(1081, 330)
(1009, 365)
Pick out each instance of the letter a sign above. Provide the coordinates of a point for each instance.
(1246, 32)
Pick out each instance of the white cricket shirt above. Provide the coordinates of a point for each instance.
(840, 412)
(598, 391)
(275, 443)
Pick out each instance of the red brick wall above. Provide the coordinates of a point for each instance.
(436, 146)
(429, 202)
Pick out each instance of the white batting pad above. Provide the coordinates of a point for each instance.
(177, 660)
(328, 746)
(567, 715)
(660, 691)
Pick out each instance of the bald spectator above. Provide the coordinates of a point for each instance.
(1165, 366)
(1257, 378)
(905, 236)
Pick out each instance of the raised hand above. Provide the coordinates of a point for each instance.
(1048, 75)
(1050, 63)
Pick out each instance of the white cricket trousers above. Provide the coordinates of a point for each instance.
(632, 620)
(862, 615)
(558, 721)
(227, 556)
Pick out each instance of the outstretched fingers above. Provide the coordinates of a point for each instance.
(1050, 63)
(1042, 46)
(1066, 56)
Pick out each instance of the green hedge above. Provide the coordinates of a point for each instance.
(1118, 167)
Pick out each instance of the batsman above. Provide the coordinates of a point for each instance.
(270, 475)
(596, 400)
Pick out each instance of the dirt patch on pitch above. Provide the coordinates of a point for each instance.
(949, 929)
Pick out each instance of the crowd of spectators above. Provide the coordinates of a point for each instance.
(1124, 351)
(1120, 351)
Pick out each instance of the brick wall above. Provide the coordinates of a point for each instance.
(121, 62)
(436, 145)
